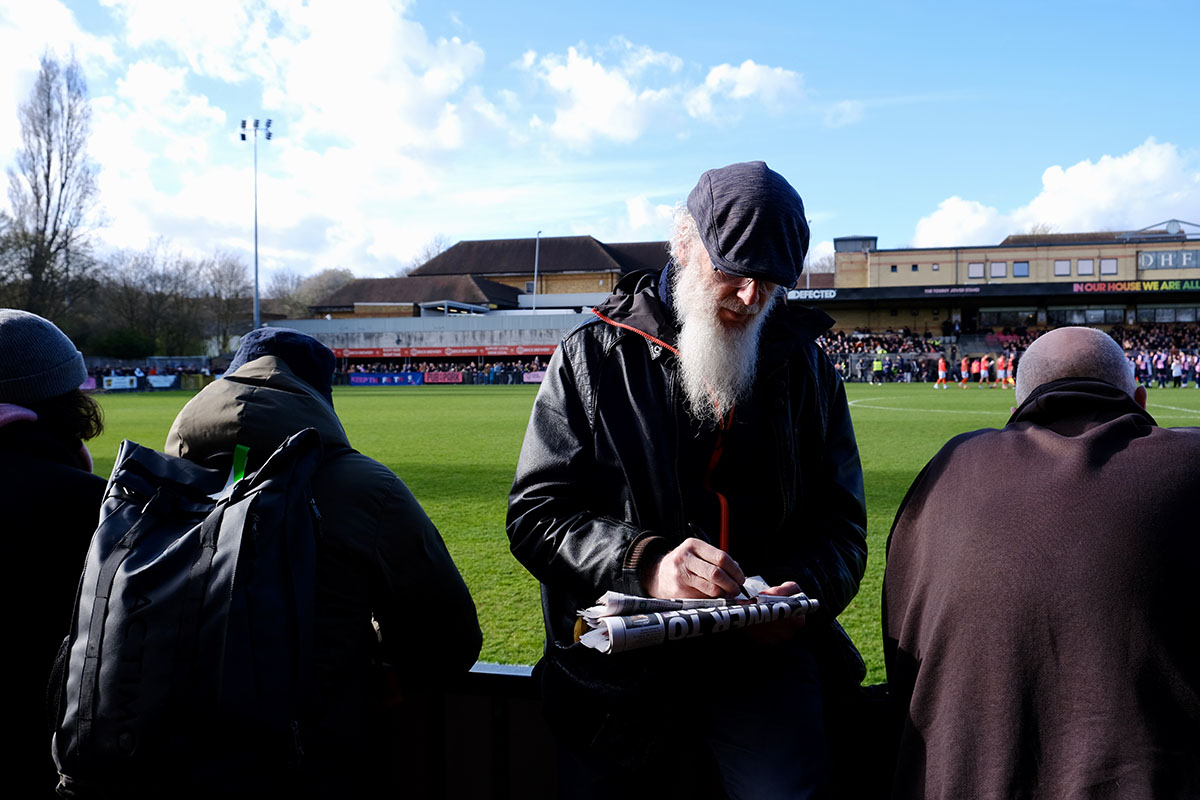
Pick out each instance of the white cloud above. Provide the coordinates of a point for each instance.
(214, 38)
(646, 220)
(844, 112)
(773, 86)
(1149, 184)
(595, 101)
(960, 222)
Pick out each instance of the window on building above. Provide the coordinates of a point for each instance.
(1062, 266)
(528, 287)
(1108, 266)
(1114, 316)
(914, 268)
(936, 267)
(1094, 316)
(893, 267)
(975, 269)
(1164, 315)
(1185, 315)
(999, 269)
(1020, 269)
(1086, 266)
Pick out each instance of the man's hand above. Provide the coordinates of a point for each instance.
(694, 569)
(781, 630)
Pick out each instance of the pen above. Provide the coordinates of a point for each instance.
(699, 533)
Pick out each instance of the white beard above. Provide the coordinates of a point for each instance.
(717, 361)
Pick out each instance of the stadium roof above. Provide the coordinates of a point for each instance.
(1096, 237)
(556, 254)
(419, 289)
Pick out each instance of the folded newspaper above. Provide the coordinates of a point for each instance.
(620, 622)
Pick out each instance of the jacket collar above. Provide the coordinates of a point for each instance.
(1086, 400)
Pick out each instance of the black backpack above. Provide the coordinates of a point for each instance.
(188, 668)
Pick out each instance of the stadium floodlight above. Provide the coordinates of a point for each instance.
(257, 307)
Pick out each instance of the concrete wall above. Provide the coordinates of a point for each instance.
(440, 331)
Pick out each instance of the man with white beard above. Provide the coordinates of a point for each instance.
(690, 435)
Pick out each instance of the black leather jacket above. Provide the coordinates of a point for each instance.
(613, 470)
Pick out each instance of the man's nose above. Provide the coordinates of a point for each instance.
(748, 294)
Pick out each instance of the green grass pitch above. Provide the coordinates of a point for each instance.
(457, 446)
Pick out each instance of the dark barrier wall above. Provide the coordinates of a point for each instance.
(482, 739)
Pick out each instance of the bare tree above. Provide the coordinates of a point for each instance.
(295, 294)
(820, 264)
(283, 289)
(52, 192)
(229, 293)
(431, 249)
(158, 295)
(1041, 229)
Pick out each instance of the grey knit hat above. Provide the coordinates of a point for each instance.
(751, 221)
(37, 360)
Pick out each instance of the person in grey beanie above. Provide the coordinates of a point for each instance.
(51, 503)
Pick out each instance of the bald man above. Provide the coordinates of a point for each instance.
(1054, 655)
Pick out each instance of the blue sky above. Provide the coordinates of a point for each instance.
(922, 123)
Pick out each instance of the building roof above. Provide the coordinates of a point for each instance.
(554, 254)
(1095, 237)
(633, 256)
(419, 289)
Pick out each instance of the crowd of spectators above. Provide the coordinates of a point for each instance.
(471, 371)
(1184, 337)
(839, 344)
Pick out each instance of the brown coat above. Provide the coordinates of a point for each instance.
(1040, 607)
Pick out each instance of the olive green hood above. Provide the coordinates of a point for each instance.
(259, 406)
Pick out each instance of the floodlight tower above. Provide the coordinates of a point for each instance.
(254, 132)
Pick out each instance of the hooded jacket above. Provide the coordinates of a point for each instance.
(378, 554)
(614, 471)
(1044, 645)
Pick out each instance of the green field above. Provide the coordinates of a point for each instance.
(457, 447)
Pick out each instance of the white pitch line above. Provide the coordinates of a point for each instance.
(861, 404)
(1173, 408)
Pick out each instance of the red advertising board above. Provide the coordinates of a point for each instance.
(445, 352)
